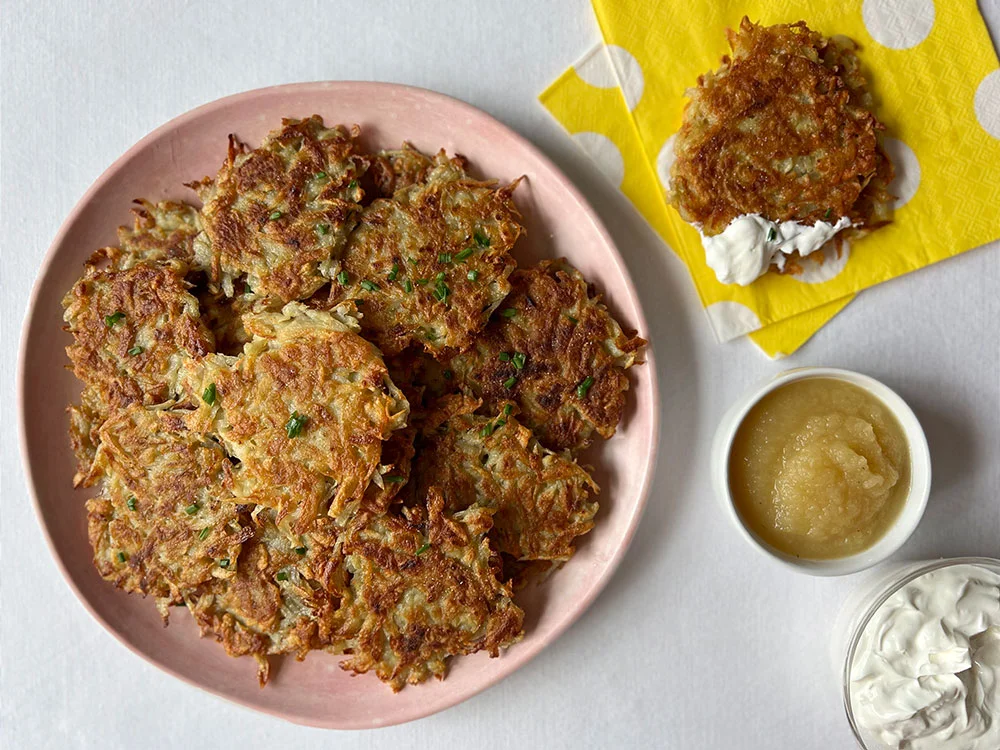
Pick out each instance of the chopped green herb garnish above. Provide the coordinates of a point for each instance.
(423, 548)
(499, 423)
(422, 282)
(110, 320)
(352, 185)
(827, 214)
(394, 272)
(504, 357)
(519, 359)
(393, 479)
(448, 374)
(130, 502)
(275, 215)
(294, 425)
(247, 289)
(369, 286)
(444, 258)
(487, 430)
(509, 382)
(343, 278)
(322, 229)
(572, 320)
(507, 410)
(581, 390)
(407, 286)
(430, 335)
(121, 557)
(441, 292)
(191, 509)
(320, 175)
(771, 234)
(135, 350)
(301, 550)
(510, 312)
(440, 277)
(209, 394)
(472, 275)
(205, 532)
(481, 239)
(282, 575)
(465, 253)
(224, 562)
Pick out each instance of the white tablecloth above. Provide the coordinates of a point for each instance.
(698, 642)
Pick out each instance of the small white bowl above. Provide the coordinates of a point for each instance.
(920, 472)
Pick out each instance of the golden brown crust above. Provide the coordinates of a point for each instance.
(310, 368)
(540, 500)
(783, 129)
(398, 169)
(572, 379)
(280, 214)
(161, 231)
(429, 265)
(421, 593)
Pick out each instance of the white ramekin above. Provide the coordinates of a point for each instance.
(920, 471)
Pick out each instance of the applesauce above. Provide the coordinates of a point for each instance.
(819, 468)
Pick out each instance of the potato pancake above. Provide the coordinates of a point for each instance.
(783, 129)
(161, 231)
(540, 500)
(164, 521)
(280, 214)
(430, 264)
(420, 593)
(395, 170)
(305, 409)
(555, 351)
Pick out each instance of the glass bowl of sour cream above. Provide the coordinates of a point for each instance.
(918, 654)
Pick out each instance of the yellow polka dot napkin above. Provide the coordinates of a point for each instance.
(933, 71)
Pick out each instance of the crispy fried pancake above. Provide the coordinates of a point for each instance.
(279, 596)
(420, 593)
(398, 169)
(164, 518)
(280, 214)
(305, 409)
(161, 231)
(394, 471)
(431, 264)
(784, 129)
(554, 350)
(540, 500)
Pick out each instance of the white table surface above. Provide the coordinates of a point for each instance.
(698, 642)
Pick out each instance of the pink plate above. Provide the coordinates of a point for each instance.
(317, 692)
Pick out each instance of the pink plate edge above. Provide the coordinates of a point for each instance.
(519, 655)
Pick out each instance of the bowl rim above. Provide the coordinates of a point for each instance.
(920, 471)
(524, 652)
(880, 594)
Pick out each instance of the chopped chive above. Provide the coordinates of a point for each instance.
(441, 292)
(423, 282)
(369, 286)
(320, 175)
(135, 350)
(282, 575)
(130, 502)
(322, 229)
(407, 286)
(121, 557)
(481, 239)
(507, 410)
(205, 532)
(504, 357)
(343, 278)
(465, 253)
(440, 277)
(519, 359)
(224, 562)
(509, 382)
(771, 234)
(430, 335)
(352, 185)
(393, 479)
(510, 312)
(581, 390)
(247, 289)
(191, 509)
(393, 273)
(572, 320)
(827, 214)
(487, 430)
(294, 425)
(423, 548)
(444, 258)
(448, 374)
(209, 394)
(499, 423)
(275, 215)
(110, 320)
(301, 550)
(472, 275)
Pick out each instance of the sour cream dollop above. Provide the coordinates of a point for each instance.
(926, 672)
(745, 249)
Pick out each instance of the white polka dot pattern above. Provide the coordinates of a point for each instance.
(987, 103)
(731, 319)
(604, 153)
(907, 167)
(898, 24)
